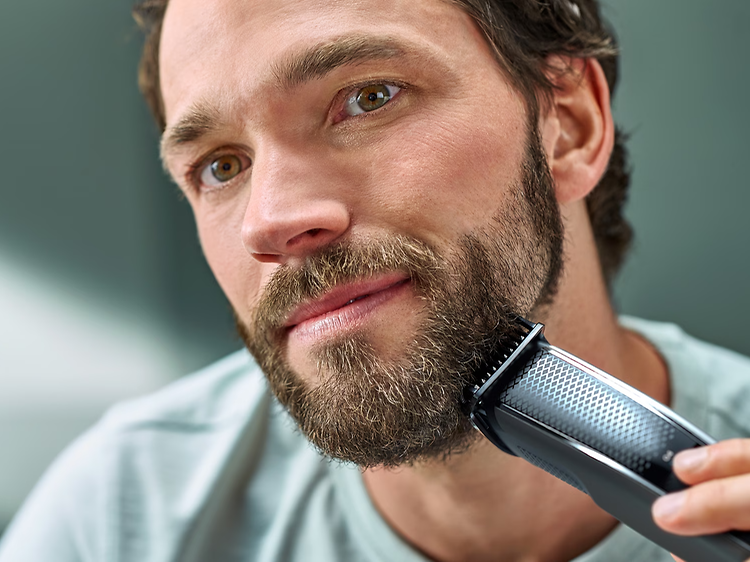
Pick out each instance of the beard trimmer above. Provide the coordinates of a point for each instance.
(595, 433)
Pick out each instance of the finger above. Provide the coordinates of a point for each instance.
(712, 507)
(724, 459)
(678, 559)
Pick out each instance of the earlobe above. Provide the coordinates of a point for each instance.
(578, 129)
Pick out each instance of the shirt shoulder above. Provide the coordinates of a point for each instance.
(212, 396)
(710, 384)
(131, 487)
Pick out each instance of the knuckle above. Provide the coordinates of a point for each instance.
(741, 454)
(718, 501)
(703, 502)
(722, 449)
(693, 501)
(732, 455)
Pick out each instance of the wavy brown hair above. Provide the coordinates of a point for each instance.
(523, 33)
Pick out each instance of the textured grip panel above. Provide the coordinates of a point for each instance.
(582, 407)
(554, 470)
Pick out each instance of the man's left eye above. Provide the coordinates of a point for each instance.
(370, 98)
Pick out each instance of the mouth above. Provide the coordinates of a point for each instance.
(345, 305)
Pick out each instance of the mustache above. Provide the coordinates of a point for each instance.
(344, 262)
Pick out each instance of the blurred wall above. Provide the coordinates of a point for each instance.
(103, 290)
(683, 98)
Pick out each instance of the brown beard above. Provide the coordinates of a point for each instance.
(374, 412)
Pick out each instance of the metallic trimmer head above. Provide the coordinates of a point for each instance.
(594, 432)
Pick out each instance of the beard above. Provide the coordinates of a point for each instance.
(370, 411)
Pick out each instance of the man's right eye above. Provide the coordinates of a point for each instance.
(221, 170)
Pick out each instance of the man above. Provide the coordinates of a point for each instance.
(379, 187)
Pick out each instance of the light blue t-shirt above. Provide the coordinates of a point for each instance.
(212, 469)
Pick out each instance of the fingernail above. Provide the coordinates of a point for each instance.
(667, 506)
(691, 459)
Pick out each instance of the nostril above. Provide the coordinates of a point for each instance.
(306, 235)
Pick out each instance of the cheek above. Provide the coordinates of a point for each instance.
(239, 277)
(450, 176)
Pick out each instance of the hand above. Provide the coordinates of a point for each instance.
(719, 499)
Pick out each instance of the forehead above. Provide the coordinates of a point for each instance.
(232, 46)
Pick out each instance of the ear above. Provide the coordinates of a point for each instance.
(577, 127)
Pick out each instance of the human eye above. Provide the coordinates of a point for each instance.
(370, 98)
(216, 171)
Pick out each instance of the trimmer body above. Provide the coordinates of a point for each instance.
(596, 433)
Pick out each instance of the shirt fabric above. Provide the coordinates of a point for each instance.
(212, 468)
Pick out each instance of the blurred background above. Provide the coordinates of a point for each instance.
(104, 293)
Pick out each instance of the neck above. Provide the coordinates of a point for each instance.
(486, 505)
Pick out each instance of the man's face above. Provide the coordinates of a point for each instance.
(370, 198)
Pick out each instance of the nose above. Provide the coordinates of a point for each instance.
(296, 207)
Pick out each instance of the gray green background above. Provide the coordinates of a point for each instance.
(104, 293)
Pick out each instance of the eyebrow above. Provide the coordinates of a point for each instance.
(322, 59)
(199, 121)
(202, 118)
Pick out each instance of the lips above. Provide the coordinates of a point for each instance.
(346, 296)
